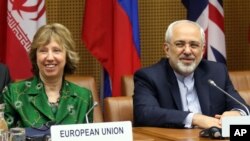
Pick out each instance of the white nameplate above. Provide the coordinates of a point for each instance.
(106, 131)
(234, 120)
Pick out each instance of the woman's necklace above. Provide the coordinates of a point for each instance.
(55, 103)
(54, 106)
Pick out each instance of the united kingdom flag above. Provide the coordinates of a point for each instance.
(210, 15)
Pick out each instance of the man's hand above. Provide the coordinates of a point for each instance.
(203, 121)
(228, 113)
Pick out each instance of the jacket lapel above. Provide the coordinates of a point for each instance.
(39, 99)
(174, 87)
(64, 108)
(176, 95)
(202, 88)
(40, 102)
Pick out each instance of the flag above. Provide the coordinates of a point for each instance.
(3, 12)
(23, 18)
(111, 34)
(210, 15)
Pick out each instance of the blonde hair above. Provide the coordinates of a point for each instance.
(60, 34)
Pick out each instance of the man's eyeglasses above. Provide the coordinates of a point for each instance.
(183, 44)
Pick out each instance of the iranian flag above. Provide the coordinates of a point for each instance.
(19, 22)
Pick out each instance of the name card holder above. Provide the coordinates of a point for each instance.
(121, 131)
(234, 120)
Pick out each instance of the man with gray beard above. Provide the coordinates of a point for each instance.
(175, 92)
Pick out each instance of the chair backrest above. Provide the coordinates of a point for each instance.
(89, 83)
(241, 82)
(127, 85)
(240, 79)
(245, 94)
(118, 109)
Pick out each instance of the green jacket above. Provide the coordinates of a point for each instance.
(26, 104)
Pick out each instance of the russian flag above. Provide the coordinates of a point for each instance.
(111, 34)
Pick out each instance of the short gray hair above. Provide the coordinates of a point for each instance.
(169, 32)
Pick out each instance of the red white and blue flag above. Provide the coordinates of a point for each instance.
(111, 34)
(21, 20)
(209, 14)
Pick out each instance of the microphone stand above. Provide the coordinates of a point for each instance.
(86, 116)
(211, 82)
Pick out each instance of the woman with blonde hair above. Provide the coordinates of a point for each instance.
(47, 97)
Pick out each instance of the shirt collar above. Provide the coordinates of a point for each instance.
(184, 78)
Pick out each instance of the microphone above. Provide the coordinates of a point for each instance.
(211, 82)
(86, 115)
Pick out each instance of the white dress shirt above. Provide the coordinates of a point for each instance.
(189, 98)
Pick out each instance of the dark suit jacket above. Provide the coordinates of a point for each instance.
(4, 76)
(157, 100)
